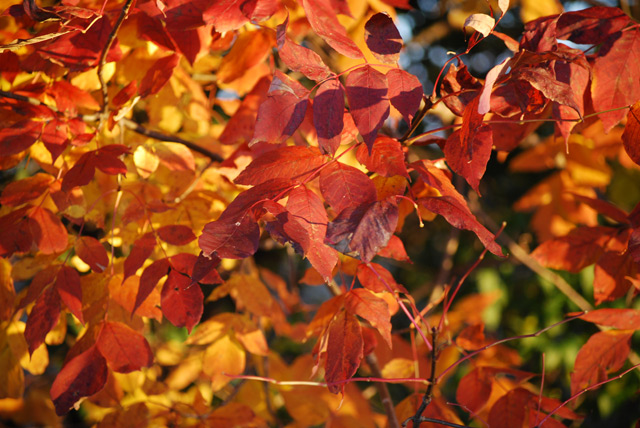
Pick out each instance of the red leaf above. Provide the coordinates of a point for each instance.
(383, 38)
(615, 76)
(582, 247)
(149, 279)
(577, 77)
(510, 410)
(158, 75)
(19, 137)
(299, 58)
(48, 231)
(91, 251)
(363, 230)
(545, 81)
(70, 291)
(385, 158)
(605, 352)
(124, 349)
(605, 208)
(176, 234)
(21, 191)
(43, 317)
(631, 134)
(182, 304)
(55, 137)
(328, 115)
(281, 113)
(81, 377)
(377, 279)
(80, 173)
(324, 21)
(364, 303)
(140, 251)
(344, 186)
(307, 208)
(451, 205)
(344, 350)
(468, 150)
(405, 92)
(105, 159)
(241, 126)
(368, 103)
(609, 277)
(623, 319)
(395, 250)
(592, 25)
(230, 238)
(199, 268)
(294, 163)
(16, 233)
(474, 389)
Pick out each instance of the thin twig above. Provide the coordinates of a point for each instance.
(383, 391)
(105, 51)
(428, 395)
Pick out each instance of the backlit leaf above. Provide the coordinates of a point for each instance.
(323, 19)
(615, 79)
(623, 319)
(378, 279)
(81, 377)
(290, 162)
(344, 186)
(125, 349)
(19, 137)
(47, 230)
(149, 279)
(299, 58)
(230, 238)
(43, 317)
(363, 303)
(605, 352)
(158, 75)
(382, 38)
(510, 409)
(25, 190)
(368, 103)
(386, 157)
(344, 350)
(480, 22)
(140, 252)
(182, 303)
(405, 92)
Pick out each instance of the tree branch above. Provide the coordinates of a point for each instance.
(383, 391)
(105, 51)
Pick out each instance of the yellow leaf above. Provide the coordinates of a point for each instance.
(145, 160)
(534, 9)
(399, 368)
(224, 357)
(7, 292)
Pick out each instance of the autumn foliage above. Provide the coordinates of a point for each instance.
(207, 208)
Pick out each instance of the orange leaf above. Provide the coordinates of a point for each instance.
(364, 303)
(125, 350)
(48, 231)
(605, 352)
(70, 291)
(623, 319)
(25, 190)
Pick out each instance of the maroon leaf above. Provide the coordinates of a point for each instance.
(149, 279)
(230, 238)
(328, 115)
(81, 377)
(368, 103)
(382, 38)
(176, 234)
(592, 25)
(294, 163)
(405, 92)
(322, 17)
(91, 251)
(43, 317)
(182, 304)
(363, 230)
(386, 157)
(344, 186)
